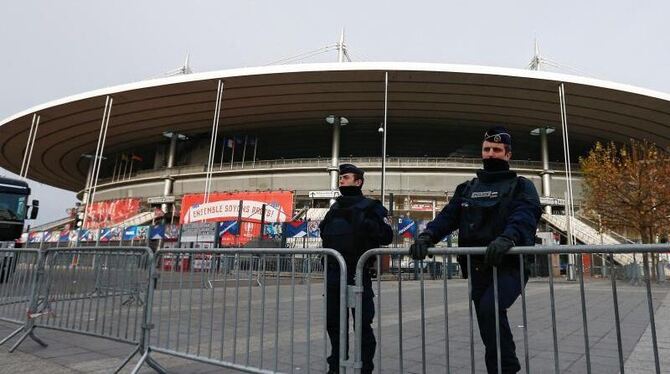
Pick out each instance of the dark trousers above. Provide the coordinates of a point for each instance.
(509, 288)
(333, 326)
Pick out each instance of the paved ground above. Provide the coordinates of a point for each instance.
(197, 321)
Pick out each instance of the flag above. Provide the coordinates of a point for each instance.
(228, 227)
(157, 232)
(229, 143)
(407, 228)
(252, 140)
(239, 139)
(295, 229)
(124, 157)
(136, 157)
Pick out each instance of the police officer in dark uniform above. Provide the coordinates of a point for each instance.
(353, 225)
(497, 210)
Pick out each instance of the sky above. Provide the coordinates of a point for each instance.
(52, 49)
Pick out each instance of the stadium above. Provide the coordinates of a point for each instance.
(187, 148)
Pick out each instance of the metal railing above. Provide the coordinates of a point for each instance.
(448, 367)
(17, 270)
(265, 309)
(95, 291)
(391, 162)
(237, 307)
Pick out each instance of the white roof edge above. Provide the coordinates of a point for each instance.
(348, 66)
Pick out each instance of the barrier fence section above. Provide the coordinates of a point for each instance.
(256, 310)
(96, 291)
(18, 268)
(439, 319)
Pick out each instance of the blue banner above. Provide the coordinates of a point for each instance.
(295, 229)
(407, 228)
(157, 232)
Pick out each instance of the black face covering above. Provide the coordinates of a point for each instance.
(495, 164)
(351, 190)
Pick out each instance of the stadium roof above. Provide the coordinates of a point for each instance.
(295, 96)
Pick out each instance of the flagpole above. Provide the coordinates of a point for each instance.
(255, 146)
(232, 157)
(244, 149)
(131, 165)
(223, 151)
(116, 162)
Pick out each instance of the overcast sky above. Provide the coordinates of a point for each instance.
(52, 49)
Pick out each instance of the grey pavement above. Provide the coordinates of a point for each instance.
(202, 322)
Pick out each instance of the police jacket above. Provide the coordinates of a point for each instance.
(353, 225)
(494, 204)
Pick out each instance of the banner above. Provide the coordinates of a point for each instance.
(225, 207)
(88, 235)
(172, 232)
(64, 236)
(407, 228)
(135, 233)
(111, 234)
(198, 232)
(110, 213)
(52, 237)
(295, 229)
(157, 232)
(313, 230)
(36, 237)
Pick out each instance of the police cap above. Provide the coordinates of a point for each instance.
(498, 134)
(350, 168)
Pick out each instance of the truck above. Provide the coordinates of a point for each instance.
(14, 206)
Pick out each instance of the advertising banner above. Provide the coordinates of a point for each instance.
(111, 234)
(225, 207)
(172, 232)
(135, 233)
(157, 232)
(52, 236)
(88, 235)
(36, 237)
(198, 232)
(64, 236)
(112, 212)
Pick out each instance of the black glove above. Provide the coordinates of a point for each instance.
(419, 249)
(497, 249)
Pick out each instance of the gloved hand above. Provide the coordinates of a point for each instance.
(497, 249)
(419, 249)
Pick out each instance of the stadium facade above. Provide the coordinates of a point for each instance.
(176, 144)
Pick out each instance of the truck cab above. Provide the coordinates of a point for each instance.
(14, 196)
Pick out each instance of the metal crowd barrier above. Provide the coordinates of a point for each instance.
(256, 310)
(92, 291)
(18, 268)
(443, 327)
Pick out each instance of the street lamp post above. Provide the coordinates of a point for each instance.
(333, 169)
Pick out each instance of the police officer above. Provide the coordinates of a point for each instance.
(497, 210)
(353, 225)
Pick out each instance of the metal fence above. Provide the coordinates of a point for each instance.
(99, 292)
(17, 272)
(264, 309)
(256, 310)
(441, 331)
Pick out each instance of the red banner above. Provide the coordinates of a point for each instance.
(225, 207)
(110, 213)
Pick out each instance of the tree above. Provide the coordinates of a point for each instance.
(628, 186)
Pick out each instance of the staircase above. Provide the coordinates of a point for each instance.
(586, 234)
(141, 218)
(59, 223)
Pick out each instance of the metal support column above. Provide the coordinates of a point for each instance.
(167, 186)
(386, 97)
(546, 173)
